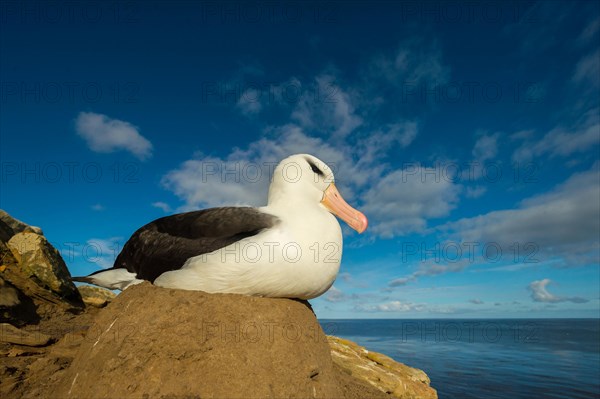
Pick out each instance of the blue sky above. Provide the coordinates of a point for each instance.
(467, 133)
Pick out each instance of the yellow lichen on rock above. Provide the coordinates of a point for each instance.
(381, 371)
(38, 259)
(95, 296)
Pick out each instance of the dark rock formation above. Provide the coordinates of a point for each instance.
(9, 226)
(34, 280)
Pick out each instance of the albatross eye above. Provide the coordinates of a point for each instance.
(315, 168)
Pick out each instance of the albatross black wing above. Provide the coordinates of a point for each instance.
(167, 243)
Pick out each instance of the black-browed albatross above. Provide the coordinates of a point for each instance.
(290, 248)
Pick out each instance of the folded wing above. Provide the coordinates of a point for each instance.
(167, 243)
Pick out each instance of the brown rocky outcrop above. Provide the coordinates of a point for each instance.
(34, 280)
(16, 306)
(9, 226)
(159, 342)
(156, 342)
(95, 296)
(381, 371)
(39, 261)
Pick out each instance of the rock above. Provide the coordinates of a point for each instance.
(29, 372)
(40, 261)
(381, 371)
(16, 307)
(13, 335)
(17, 351)
(36, 302)
(34, 298)
(95, 296)
(48, 369)
(5, 232)
(11, 226)
(157, 342)
(7, 258)
(9, 295)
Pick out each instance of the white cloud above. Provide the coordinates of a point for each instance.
(104, 134)
(325, 106)
(430, 267)
(326, 123)
(404, 132)
(373, 149)
(475, 192)
(103, 252)
(249, 102)
(335, 295)
(404, 199)
(207, 182)
(486, 147)
(535, 37)
(163, 206)
(484, 150)
(398, 282)
(539, 293)
(587, 70)
(564, 142)
(243, 176)
(415, 62)
(558, 228)
(522, 135)
(98, 207)
(404, 307)
(589, 31)
(393, 306)
(563, 223)
(476, 301)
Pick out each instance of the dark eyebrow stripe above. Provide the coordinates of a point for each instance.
(315, 168)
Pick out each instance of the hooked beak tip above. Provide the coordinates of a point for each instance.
(334, 202)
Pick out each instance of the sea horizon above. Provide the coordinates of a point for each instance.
(490, 358)
(465, 318)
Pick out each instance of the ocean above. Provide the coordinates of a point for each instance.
(489, 358)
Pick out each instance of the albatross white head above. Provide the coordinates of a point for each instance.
(305, 179)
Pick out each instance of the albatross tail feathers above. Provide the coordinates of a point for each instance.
(113, 279)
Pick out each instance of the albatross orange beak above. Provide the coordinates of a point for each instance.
(333, 201)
